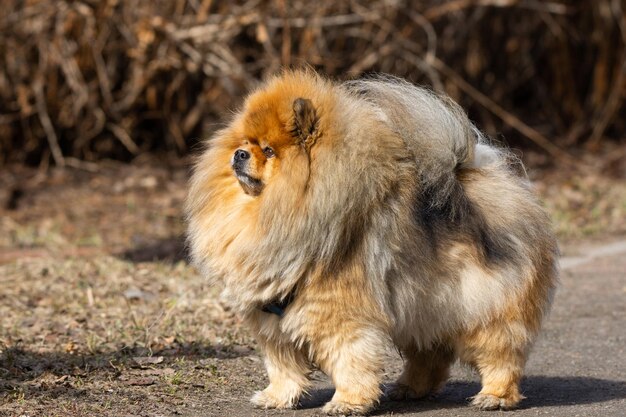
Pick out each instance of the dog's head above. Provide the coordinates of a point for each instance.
(274, 131)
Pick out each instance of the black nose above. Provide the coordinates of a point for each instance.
(241, 155)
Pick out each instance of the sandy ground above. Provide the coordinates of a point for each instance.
(101, 315)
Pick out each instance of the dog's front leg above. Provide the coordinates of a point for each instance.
(288, 371)
(354, 362)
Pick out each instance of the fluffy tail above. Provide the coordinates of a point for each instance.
(435, 129)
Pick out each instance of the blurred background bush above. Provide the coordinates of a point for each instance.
(87, 80)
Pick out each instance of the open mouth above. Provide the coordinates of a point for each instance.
(248, 180)
(250, 185)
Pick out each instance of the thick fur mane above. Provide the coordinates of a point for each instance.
(305, 221)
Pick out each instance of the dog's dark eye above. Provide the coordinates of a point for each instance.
(269, 152)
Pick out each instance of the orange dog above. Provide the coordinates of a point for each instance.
(341, 219)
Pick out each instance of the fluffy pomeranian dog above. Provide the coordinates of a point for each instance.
(342, 219)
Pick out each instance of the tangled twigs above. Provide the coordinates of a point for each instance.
(42, 112)
(506, 116)
(86, 80)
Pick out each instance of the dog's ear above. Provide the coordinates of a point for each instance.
(304, 122)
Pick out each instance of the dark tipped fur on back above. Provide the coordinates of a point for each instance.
(442, 141)
(435, 129)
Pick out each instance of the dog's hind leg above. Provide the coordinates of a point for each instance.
(288, 371)
(425, 372)
(499, 356)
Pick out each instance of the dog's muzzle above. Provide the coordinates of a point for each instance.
(240, 160)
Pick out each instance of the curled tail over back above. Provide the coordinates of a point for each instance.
(453, 159)
(435, 129)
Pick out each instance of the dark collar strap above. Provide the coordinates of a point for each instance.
(278, 307)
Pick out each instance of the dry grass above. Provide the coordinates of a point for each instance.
(99, 335)
(80, 304)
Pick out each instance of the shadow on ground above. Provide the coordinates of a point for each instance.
(541, 391)
(19, 365)
(170, 250)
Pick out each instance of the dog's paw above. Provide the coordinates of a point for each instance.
(340, 408)
(268, 399)
(493, 402)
